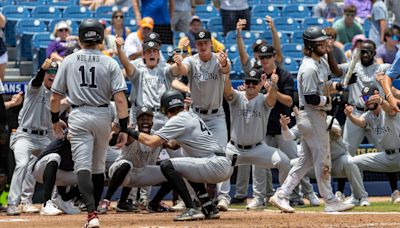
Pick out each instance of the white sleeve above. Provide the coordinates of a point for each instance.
(291, 134)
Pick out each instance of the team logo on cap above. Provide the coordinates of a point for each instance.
(259, 41)
(264, 49)
(366, 89)
(202, 34)
(145, 109)
(54, 64)
(151, 44)
(152, 36)
(323, 32)
(252, 73)
(90, 34)
(175, 101)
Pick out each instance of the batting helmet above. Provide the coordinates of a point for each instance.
(91, 30)
(313, 34)
(171, 99)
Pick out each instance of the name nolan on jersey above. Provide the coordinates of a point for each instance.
(88, 58)
(249, 113)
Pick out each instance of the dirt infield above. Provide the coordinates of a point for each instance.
(232, 218)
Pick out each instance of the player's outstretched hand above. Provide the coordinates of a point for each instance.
(119, 41)
(17, 99)
(177, 58)
(284, 121)
(274, 77)
(270, 22)
(223, 58)
(241, 24)
(353, 79)
(122, 139)
(348, 110)
(46, 64)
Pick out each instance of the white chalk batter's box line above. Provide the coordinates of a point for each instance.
(14, 220)
(328, 213)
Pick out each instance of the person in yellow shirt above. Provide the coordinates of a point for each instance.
(187, 43)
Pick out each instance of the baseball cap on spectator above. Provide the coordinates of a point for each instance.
(253, 75)
(61, 25)
(356, 38)
(153, 36)
(367, 92)
(144, 110)
(147, 22)
(195, 18)
(265, 50)
(151, 45)
(202, 35)
(258, 43)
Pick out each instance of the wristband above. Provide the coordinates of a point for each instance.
(339, 86)
(123, 124)
(134, 134)
(55, 117)
(387, 96)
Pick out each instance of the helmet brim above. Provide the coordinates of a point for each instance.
(321, 38)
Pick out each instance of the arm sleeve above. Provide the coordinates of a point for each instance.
(174, 128)
(38, 79)
(291, 134)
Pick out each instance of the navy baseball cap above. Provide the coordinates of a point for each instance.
(368, 91)
(202, 35)
(153, 36)
(265, 50)
(258, 43)
(144, 110)
(150, 45)
(253, 75)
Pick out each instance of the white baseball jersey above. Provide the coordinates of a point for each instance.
(366, 77)
(249, 118)
(206, 82)
(192, 134)
(385, 128)
(150, 84)
(312, 78)
(88, 77)
(35, 112)
(1, 87)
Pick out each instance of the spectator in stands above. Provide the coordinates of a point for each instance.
(133, 42)
(356, 43)
(122, 4)
(187, 43)
(386, 53)
(363, 7)
(347, 27)
(94, 4)
(231, 11)
(327, 9)
(117, 25)
(337, 51)
(379, 19)
(3, 48)
(162, 12)
(394, 6)
(182, 15)
(62, 41)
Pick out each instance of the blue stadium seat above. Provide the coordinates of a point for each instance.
(290, 65)
(6, 2)
(232, 51)
(73, 24)
(165, 49)
(263, 9)
(218, 36)
(318, 21)
(247, 36)
(105, 12)
(30, 4)
(77, 13)
(131, 23)
(63, 3)
(206, 11)
(215, 24)
(24, 31)
(293, 50)
(297, 37)
(39, 44)
(13, 14)
(347, 46)
(286, 24)
(308, 3)
(177, 36)
(267, 35)
(276, 2)
(258, 24)
(46, 13)
(296, 11)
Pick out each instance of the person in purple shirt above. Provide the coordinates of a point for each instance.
(364, 8)
(57, 48)
(386, 53)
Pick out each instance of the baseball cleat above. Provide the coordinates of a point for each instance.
(255, 205)
(93, 221)
(238, 200)
(313, 198)
(190, 214)
(13, 210)
(282, 202)
(296, 202)
(29, 208)
(104, 206)
(127, 206)
(364, 202)
(340, 196)
(395, 196)
(50, 209)
(180, 206)
(338, 206)
(223, 204)
(161, 207)
(66, 206)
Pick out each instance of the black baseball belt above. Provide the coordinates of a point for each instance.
(245, 147)
(206, 112)
(100, 106)
(392, 151)
(35, 132)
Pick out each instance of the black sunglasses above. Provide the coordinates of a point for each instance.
(350, 14)
(63, 30)
(265, 57)
(253, 82)
(119, 16)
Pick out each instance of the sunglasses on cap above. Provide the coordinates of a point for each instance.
(365, 98)
(51, 71)
(63, 30)
(350, 14)
(119, 17)
(253, 82)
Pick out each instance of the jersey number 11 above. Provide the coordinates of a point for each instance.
(83, 74)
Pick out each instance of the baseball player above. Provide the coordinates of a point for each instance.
(89, 78)
(206, 72)
(384, 124)
(32, 132)
(205, 161)
(342, 164)
(392, 95)
(314, 99)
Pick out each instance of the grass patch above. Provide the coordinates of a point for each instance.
(386, 206)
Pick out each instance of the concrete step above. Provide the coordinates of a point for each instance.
(12, 53)
(12, 71)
